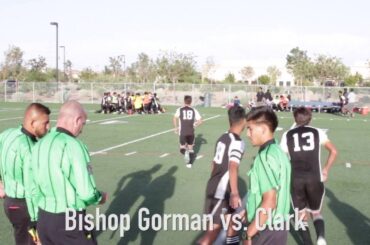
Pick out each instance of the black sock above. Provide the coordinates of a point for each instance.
(233, 240)
(191, 156)
(304, 232)
(182, 151)
(319, 227)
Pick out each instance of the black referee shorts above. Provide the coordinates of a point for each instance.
(52, 230)
(187, 139)
(17, 213)
(275, 237)
(307, 194)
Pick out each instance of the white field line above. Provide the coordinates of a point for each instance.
(141, 139)
(111, 118)
(199, 157)
(12, 118)
(164, 155)
(130, 153)
(10, 109)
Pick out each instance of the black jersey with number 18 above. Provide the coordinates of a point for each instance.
(187, 116)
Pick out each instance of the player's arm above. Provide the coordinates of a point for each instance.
(332, 153)
(235, 201)
(198, 119)
(236, 154)
(32, 192)
(331, 158)
(85, 184)
(175, 119)
(268, 203)
(2, 191)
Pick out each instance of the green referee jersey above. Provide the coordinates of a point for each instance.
(15, 144)
(60, 175)
(271, 170)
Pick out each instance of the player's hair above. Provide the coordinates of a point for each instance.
(302, 116)
(236, 114)
(39, 108)
(263, 115)
(187, 99)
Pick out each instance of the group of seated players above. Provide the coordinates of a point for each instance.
(130, 103)
(279, 103)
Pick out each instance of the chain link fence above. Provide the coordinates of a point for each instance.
(214, 95)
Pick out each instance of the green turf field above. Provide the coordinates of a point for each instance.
(153, 173)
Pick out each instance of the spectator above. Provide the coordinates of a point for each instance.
(283, 103)
(260, 97)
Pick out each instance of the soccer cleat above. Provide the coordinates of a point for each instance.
(321, 241)
(186, 157)
(189, 165)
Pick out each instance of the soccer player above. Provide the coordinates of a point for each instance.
(15, 144)
(302, 143)
(222, 194)
(61, 179)
(268, 200)
(188, 119)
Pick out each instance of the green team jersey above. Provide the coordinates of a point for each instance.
(271, 170)
(59, 175)
(15, 144)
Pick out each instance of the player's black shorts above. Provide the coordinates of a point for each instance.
(307, 193)
(217, 208)
(187, 139)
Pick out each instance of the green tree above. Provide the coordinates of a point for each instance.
(115, 65)
(13, 64)
(88, 74)
(143, 70)
(274, 73)
(208, 70)
(37, 70)
(264, 79)
(353, 80)
(300, 66)
(230, 78)
(247, 73)
(177, 68)
(330, 68)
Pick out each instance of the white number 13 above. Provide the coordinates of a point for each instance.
(310, 143)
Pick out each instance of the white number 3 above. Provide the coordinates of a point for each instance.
(310, 143)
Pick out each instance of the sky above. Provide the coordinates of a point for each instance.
(235, 33)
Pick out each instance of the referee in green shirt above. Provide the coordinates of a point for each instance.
(61, 179)
(268, 200)
(15, 145)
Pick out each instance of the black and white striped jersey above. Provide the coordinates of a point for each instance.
(229, 147)
(303, 144)
(187, 117)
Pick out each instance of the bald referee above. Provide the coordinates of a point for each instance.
(61, 179)
(15, 145)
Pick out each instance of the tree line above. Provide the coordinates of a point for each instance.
(174, 67)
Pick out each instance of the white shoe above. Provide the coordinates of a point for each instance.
(189, 165)
(186, 157)
(321, 241)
